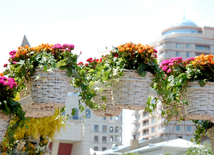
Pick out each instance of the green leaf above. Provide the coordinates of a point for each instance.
(69, 72)
(143, 74)
(76, 75)
(73, 112)
(60, 63)
(202, 82)
(11, 102)
(141, 68)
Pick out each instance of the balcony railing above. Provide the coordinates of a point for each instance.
(96, 141)
(75, 118)
(145, 133)
(104, 130)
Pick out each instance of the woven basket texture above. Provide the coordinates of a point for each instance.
(132, 90)
(110, 109)
(4, 121)
(26, 92)
(50, 90)
(34, 112)
(211, 137)
(200, 101)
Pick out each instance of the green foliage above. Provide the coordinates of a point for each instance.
(200, 150)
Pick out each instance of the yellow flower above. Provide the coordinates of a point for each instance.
(4, 153)
(17, 98)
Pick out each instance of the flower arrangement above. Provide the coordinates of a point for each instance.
(175, 81)
(24, 61)
(138, 57)
(8, 92)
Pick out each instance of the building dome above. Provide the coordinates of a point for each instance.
(185, 22)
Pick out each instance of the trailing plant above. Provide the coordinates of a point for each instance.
(8, 101)
(172, 83)
(33, 137)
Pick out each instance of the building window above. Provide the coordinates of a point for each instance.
(103, 148)
(187, 54)
(104, 118)
(188, 128)
(104, 139)
(146, 122)
(76, 114)
(111, 129)
(117, 118)
(153, 120)
(96, 139)
(177, 54)
(177, 128)
(95, 148)
(203, 47)
(104, 128)
(177, 45)
(153, 129)
(88, 113)
(145, 114)
(96, 128)
(111, 139)
(146, 132)
(188, 45)
(117, 129)
(111, 118)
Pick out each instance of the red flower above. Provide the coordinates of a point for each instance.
(116, 55)
(86, 64)
(92, 61)
(80, 63)
(89, 59)
(101, 59)
(97, 60)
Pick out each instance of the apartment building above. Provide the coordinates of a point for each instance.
(185, 40)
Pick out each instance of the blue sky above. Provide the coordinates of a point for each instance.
(93, 24)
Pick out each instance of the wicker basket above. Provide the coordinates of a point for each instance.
(50, 90)
(4, 121)
(132, 90)
(34, 112)
(200, 101)
(110, 109)
(211, 137)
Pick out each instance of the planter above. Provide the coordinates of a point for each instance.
(211, 137)
(34, 112)
(4, 123)
(50, 90)
(132, 90)
(110, 109)
(200, 101)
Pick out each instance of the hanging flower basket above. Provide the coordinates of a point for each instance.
(110, 109)
(4, 123)
(34, 112)
(50, 90)
(200, 101)
(132, 90)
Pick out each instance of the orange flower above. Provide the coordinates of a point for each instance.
(212, 62)
(140, 51)
(122, 49)
(1, 74)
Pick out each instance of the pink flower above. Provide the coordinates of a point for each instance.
(14, 62)
(164, 68)
(169, 70)
(5, 65)
(155, 51)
